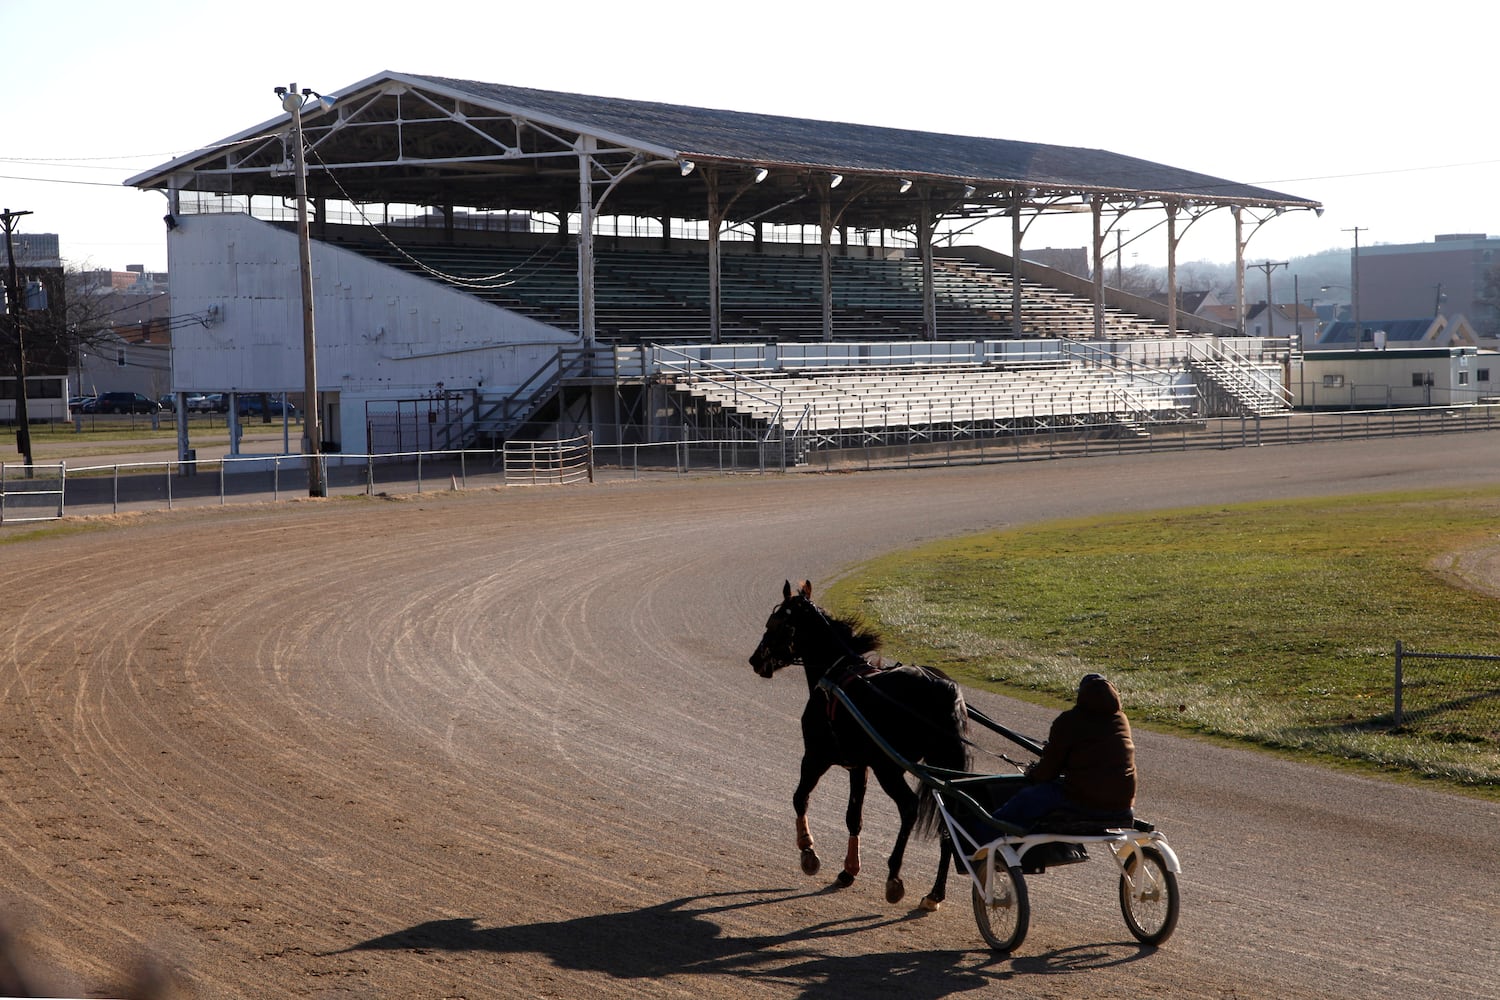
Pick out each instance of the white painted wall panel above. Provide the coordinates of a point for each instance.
(381, 333)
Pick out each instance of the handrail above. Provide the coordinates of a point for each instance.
(1235, 373)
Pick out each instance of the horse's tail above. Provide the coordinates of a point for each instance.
(950, 751)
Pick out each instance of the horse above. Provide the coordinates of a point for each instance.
(919, 711)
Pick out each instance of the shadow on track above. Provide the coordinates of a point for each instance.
(679, 938)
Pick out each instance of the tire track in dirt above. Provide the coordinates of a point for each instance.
(506, 744)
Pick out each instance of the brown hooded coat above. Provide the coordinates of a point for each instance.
(1089, 745)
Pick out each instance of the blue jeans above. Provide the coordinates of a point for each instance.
(1031, 803)
(1034, 803)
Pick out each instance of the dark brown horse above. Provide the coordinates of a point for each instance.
(920, 712)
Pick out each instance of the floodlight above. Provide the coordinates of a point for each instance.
(835, 180)
(905, 185)
(761, 173)
(686, 166)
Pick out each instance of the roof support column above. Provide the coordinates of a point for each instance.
(1239, 269)
(1016, 232)
(825, 253)
(1171, 269)
(926, 225)
(586, 146)
(1098, 205)
(715, 220)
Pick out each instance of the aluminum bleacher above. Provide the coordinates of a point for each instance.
(836, 404)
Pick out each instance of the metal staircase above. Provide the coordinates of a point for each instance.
(1229, 384)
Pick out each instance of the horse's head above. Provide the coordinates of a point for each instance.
(778, 646)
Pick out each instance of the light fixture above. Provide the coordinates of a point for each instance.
(835, 180)
(761, 173)
(686, 166)
(968, 190)
(1319, 211)
(1280, 209)
(1189, 204)
(905, 185)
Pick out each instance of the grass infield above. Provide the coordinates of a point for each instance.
(1271, 623)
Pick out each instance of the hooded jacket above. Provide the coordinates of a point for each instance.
(1090, 747)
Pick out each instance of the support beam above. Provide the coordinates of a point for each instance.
(1016, 233)
(715, 222)
(1172, 269)
(1239, 269)
(926, 225)
(825, 253)
(1098, 248)
(586, 148)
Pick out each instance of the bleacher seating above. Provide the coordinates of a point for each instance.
(663, 297)
(836, 401)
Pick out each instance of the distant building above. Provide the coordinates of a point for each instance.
(1448, 276)
(1379, 335)
(34, 250)
(1284, 319)
(134, 350)
(1340, 379)
(134, 280)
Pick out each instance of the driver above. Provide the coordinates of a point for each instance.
(1087, 768)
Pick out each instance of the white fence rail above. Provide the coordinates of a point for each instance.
(51, 491)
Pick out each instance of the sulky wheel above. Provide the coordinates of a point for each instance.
(1003, 920)
(1148, 896)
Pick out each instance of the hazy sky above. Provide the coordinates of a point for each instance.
(1384, 114)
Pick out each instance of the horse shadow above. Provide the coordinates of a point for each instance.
(680, 937)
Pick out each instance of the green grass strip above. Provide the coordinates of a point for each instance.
(1269, 623)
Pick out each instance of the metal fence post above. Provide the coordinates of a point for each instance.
(1396, 715)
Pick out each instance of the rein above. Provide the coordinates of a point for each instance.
(841, 673)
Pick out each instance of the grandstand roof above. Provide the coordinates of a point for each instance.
(430, 140)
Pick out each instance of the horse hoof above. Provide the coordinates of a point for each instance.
(931, 905)
(845, 880)
(894, 890)
(810, 862)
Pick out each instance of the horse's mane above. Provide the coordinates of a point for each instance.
(857, 634)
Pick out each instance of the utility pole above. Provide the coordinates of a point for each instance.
(312, 434)
(1354, 286)
(1268, 267)
(13, 301)
(1120, 258)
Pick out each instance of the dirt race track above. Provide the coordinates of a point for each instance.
(507, 744)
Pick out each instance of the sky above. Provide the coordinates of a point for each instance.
(1382, 114)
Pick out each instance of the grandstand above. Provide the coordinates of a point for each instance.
(524, 262)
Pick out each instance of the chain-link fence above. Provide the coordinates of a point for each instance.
(1453, 694)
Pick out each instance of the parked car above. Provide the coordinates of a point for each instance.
(79, 402)
(168, 403)
(199, 402)
(250, 406)
(124, 402)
